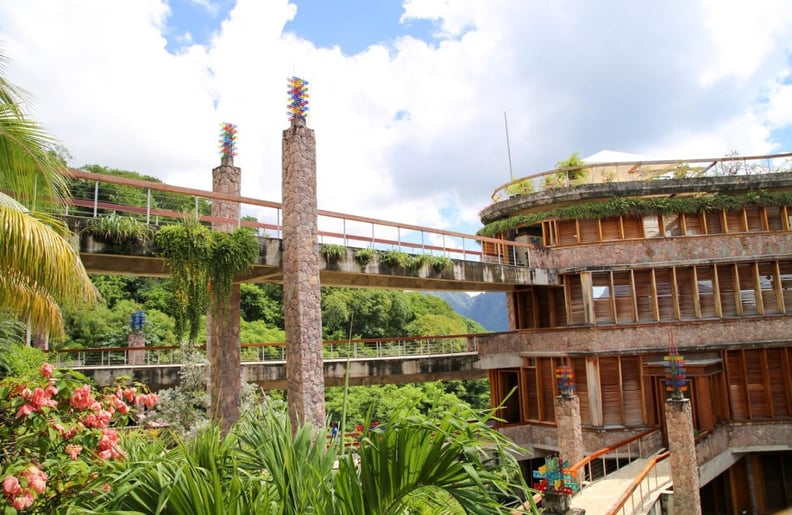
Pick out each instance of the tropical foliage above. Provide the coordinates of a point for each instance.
(40, 269)
(410, 464)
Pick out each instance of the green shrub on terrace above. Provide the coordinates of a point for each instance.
(332, 252)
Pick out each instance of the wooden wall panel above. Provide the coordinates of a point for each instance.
(611, 228)
(633, 227)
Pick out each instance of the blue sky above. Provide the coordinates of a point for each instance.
(353, 25)
(407, 97)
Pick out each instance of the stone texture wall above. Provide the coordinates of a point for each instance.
(570, 431)
(699, 335)
(301, 289)
(657, 252)
(223, 339)
(684, 467)
(136, 339)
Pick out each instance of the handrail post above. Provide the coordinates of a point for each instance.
(96, 198)
(148, 206)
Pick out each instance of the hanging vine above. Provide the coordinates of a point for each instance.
(201, 260)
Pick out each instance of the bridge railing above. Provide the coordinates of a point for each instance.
(640, 489)
(595, 465)
(369, 348)
(156, 204)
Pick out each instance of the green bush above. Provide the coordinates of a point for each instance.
(332, 252)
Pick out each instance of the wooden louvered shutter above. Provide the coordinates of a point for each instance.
(589, 231)
(547, 382)
(684, 282)
(714, 222)
(574, 291)
(633, 227)
(610, 383)
(753, 219)
(728, 292)
(665, 293)
(531, 394)
(734, 221)
(736, 382)
(768, 284)
(774, 218)
(581, 386)
(693, 224)
(567, 232)
(785, 270)
(706, 295)
(746, 279)
(611, 229)
(631, 389)
(623, 296)
(780, 378)
(643, 295)
(602, 293)
(758, 399)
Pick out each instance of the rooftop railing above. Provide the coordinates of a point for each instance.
(596, 173)
(157, 203)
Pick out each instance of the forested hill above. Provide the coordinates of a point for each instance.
(488, 309)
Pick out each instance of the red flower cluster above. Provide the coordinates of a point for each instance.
(22, 497)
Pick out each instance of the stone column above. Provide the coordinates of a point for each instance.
(136, 339)
(223, 340)
(570, 429)
(301, 292)
(684, 467)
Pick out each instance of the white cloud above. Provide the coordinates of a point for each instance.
(412, 131)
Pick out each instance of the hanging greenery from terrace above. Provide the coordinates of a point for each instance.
(201, 260)
(640, 206)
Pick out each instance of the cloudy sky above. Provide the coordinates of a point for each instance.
(407, 97)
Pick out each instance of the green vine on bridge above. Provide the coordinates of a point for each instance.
(202, 263)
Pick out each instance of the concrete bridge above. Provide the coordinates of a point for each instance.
(366, 361)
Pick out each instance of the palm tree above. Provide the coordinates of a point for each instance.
(40, 269)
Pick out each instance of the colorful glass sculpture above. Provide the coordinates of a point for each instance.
(228, 135)
(298, 99)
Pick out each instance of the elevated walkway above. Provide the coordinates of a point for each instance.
(598, 497)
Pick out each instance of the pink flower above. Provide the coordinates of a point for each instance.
(24, 411)
(36, 478)
(105, 487)
(11, 486)
(129, 394)
(51, 390)
(147, 399)
(23, 502)
(81, 397)
(120, 405)
(46, 370)
(73, 450)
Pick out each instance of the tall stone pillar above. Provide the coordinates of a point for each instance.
(223, 322)
(301, 289)
(684, 467)
(136, 339)
(570, 429)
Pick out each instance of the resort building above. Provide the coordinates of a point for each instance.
(649, 259)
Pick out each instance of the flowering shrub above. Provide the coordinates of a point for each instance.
(56, 433)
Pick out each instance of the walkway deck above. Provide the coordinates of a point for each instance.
(598, 497)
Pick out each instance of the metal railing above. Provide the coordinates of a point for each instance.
(625, 171)
(369, 348)
(620, 454)
(157, 204)
(637, 486)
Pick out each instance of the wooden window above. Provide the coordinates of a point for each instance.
(567, 232)
(665, 294)
(539, 389)
(758, 394)
(694, 224)
(611, 228)
(687, 304)
(589, 231)
(644, 298)
(633, 227)
(780, 378)
(631, 390)
(672, 225)
(559, 306)
(623, 297)
(785, 276)
(754, 219)
(602, 293)
(573, 291)
(735, 221)
(547, 384)
(736, 381)
(706, 295)
(751, 302)
(508, 380)
(773, 215)
(610, 384)
(770, 288)
(651, 226)
(714, 222)
(728, 291)
(581, 387)
(549, 233)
